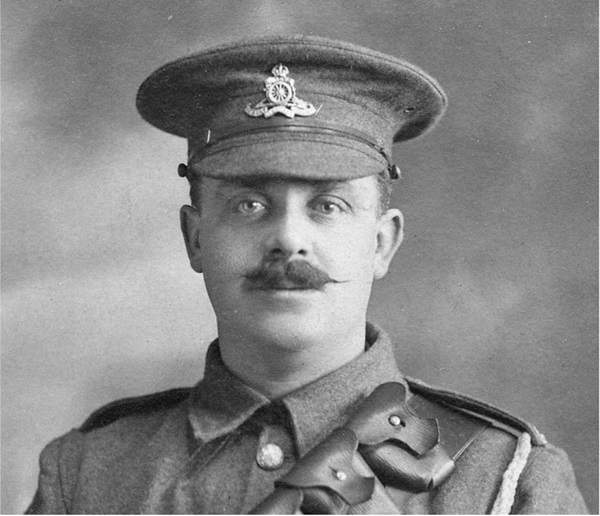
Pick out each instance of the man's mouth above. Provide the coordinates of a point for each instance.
(282, 285)
(292, 275)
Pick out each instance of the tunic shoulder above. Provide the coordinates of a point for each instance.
(509, 463)
(78, 469)
(477, 409)
(134, 406)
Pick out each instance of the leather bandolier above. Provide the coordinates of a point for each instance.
(389, 450)
(381, 457)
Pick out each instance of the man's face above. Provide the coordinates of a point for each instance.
(285, 257)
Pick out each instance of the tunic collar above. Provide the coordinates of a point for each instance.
(221, 402)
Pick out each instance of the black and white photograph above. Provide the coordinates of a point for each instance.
(299, 257)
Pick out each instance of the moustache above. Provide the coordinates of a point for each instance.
(296, 274)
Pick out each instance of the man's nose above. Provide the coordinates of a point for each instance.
(289, 235)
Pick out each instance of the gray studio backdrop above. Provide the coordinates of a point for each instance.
(493, 293)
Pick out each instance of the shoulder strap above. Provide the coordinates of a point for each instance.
(457, 430)
(130, 406)
(471, 407)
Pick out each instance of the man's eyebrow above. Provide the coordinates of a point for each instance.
(224, 187)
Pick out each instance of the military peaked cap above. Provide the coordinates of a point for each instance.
(300, 106)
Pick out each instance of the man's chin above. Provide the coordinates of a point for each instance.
(301, 324)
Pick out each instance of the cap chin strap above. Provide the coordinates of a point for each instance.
(211, 137)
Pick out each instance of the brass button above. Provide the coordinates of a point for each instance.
(270, 457)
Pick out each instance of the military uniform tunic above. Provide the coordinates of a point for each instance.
(219, 447)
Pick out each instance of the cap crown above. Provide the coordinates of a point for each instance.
(350, 96)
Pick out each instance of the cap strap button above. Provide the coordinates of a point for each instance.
(182, 170)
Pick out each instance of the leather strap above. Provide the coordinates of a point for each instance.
(213, 136)
(271, 125)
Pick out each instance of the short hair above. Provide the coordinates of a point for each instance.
(384, 187)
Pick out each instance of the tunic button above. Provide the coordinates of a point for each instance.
(270, 457)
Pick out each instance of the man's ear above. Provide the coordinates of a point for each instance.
(389, 238)
(190, 227)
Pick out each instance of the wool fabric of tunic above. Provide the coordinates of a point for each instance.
(199, 450)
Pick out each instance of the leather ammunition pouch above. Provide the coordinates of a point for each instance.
(384, 443)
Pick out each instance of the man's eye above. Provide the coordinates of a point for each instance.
(249, 207)
(328, 207)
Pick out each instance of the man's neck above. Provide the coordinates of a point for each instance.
(275, 367)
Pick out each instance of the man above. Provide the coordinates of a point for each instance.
(301, 407)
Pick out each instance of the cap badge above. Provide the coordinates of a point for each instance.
(281, 97)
